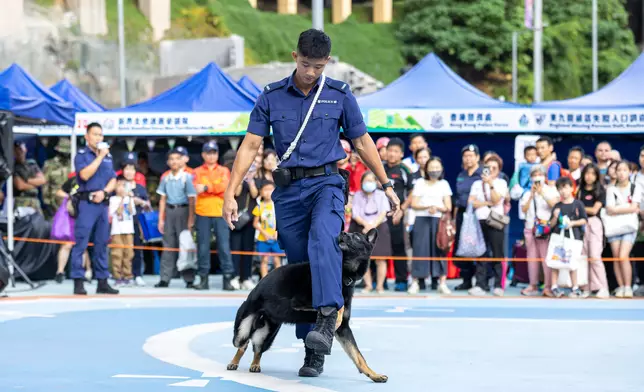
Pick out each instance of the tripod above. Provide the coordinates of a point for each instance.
(12, 266)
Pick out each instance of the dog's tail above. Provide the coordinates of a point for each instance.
(245, 323)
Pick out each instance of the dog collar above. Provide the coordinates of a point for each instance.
(347, 281)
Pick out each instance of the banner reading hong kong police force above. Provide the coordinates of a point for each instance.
(505, 120)
(166, 124)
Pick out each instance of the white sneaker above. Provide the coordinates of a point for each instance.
(235, 283)
(138, 281)
(476, 291)
(443, 289)
(619, 292)
(602, 294)
(248, 284)
(628, 292)
(498, 292)
(413, 288)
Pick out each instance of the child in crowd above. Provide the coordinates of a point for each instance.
(520, 182)
(176, 214)
(122, 213)
(265, 223)
(568, 213)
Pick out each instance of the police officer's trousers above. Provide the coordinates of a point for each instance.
(92, 217)
(310, 216)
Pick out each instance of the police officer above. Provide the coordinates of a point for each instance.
(309, 198)
(96, 180)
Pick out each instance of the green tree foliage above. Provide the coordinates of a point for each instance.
(464, 33)
(475, 39)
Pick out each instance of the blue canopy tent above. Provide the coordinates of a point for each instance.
(32, 103)
(431, 97)
(623, 91)
(81, 101)
(616, 108)
(247, 84)
(209, 90)
(208, 103)
(28, 98)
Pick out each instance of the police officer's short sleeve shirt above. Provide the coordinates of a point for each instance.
(101, 177)
(283, 107)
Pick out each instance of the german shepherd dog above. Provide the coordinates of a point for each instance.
(284, 296)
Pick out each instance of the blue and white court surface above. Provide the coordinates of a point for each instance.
(142, 341)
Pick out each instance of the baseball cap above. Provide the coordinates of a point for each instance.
(345, 146)
(130, 159)
(382, 142)
(471, 147)
(210, 146)
(181, 150)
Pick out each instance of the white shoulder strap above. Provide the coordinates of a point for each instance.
(290, 149)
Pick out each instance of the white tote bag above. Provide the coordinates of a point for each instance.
(187, 252)
(619, 224)
(563, 252)
(582, 274)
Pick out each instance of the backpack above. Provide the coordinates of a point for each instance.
(565, 173)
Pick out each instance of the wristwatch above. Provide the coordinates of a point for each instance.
(386, 185)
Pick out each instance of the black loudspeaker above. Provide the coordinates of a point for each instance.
(6, 145)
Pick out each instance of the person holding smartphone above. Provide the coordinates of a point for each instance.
(96, 181)
(537, 206)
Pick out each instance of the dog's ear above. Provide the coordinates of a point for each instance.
(342, 242)
(372, 236)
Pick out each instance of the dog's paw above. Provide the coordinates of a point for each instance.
(255, 369)
(232, 366)
(379, 378)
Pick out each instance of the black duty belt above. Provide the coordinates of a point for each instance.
(297, 173)
(174, 206)
(84, 196)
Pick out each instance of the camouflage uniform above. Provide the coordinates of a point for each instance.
(56, 171)
(29, 198)
(152, 183)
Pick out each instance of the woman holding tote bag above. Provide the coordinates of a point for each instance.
(621, 224)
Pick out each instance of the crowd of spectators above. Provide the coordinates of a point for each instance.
(577, 198)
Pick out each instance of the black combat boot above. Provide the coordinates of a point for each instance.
(313, 364)
(227, 285)
(203, 283)
(79, 287)
(320, 339)
(104, 288)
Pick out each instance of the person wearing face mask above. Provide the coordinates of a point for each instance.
(537, 206)
(370, 207)
(432, 197)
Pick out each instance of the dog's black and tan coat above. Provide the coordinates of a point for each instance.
(284, 296)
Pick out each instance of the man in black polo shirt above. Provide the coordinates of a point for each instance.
(401, 177)
(471, 172)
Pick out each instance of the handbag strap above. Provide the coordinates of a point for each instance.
(247, 201)
(290, 149)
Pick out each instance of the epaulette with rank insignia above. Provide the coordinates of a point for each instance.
(275, 86)
(338, 85)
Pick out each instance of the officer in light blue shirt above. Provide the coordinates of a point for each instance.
(309, 197)
(96, 180)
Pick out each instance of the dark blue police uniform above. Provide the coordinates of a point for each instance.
(92, 217)
(310, 211)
